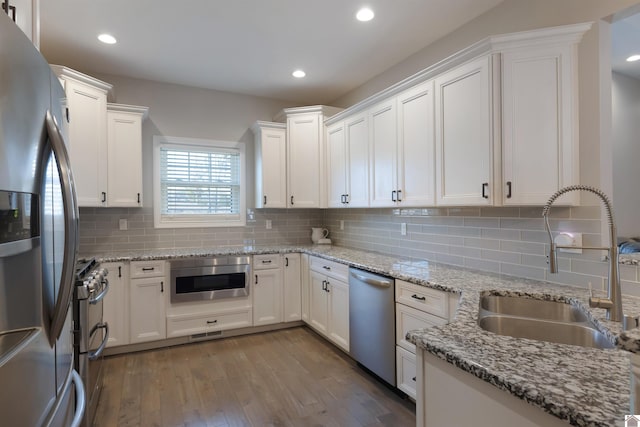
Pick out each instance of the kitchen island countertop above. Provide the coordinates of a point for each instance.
(585, 386)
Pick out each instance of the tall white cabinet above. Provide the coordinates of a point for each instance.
(539, 136)
(124, 161)
(464, 135)
(87, 130)
(26, 15)
(271, 164)
(306, 179)
(105, 142)
(348, 162)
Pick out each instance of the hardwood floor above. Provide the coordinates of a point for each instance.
(290, 377)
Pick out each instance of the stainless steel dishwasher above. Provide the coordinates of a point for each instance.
(372, 332)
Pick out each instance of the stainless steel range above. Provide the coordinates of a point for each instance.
(91, 333)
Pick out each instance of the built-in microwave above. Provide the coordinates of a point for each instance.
(197, 279)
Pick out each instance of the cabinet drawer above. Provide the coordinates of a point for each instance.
(190, 324)
(409, 319)
(423, 298)
(263, 262)
(329, 268)
(406, 372)
(147, 269)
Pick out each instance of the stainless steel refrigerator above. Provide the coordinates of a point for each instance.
(38, 242)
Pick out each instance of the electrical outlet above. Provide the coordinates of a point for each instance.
(403, 228)
(268, 224)
(569, 239)
(124, 224)
(342, 224)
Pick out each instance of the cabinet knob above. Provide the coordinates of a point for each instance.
(265, 201)
(485, 189)
(104, 197)
(399, 195)
(161, 286)
(508, 189)
(9, 10)
(256, 279)
(291, 200)
(209, 322)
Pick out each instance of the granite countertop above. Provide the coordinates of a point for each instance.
(585, 386)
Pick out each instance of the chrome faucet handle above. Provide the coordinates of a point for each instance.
(630, 322)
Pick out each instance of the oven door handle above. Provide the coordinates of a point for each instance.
(93, 355)
(101, 295)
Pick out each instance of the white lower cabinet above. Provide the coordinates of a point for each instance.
(417, 307)
(291, 292)
(147, 302)
(211, 321)
(267, 290)
(329, 300)
(305, 288)
(115, 304)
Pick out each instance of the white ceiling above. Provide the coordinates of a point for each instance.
(625, 41)
(248, 46)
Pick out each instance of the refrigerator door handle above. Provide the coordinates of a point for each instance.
(70, 208)
(80, 399)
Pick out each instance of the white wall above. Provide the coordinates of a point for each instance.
(626, 153)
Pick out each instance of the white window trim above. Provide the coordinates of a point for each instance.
(180, 142)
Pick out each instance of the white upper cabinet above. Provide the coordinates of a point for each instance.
(26, 15)
(271, 164)
(464, 135)
(124, 161)
(105, 142)
(416, 151)
(87, 116)
(539, 128)
(348, 162)
(383, 159)
(306, 180)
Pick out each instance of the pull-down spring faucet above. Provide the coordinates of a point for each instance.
(613, 302)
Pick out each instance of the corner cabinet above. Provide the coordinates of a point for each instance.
(87, 131)
(124, 161)
(306, 181)
(464, 135)
(271, 164)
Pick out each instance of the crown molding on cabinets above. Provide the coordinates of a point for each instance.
(566, 34)
(69, 74)
(321, 109)
(124, 108)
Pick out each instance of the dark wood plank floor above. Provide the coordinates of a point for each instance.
(290, 377)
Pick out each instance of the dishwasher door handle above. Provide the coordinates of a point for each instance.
(372, 281)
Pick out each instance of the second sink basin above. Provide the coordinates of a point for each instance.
(558, 332)
(542, 320)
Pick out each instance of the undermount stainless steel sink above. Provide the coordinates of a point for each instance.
(533, 308)
(541, 320)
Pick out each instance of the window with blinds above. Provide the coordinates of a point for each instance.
(199, 184)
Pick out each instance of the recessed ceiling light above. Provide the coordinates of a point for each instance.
(365, 14)
(633, 58)
(107, 38)
(298, 74)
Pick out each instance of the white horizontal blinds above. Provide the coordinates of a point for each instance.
(199, 181)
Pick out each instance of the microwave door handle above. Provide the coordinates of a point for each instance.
(70, 208)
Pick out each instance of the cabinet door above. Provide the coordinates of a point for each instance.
(416, 150)
(336, 165)
(147, 317)
(538, 124)
(357, 138)
(271, 168)
(318, 302)
(383, 147)
(124, 141)
(267, 297)
(305, 287)
(25, 13)
(115, 305)
(304, 159)
(339, 312)
(292, 298)
(464, 135)
(88, 142)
